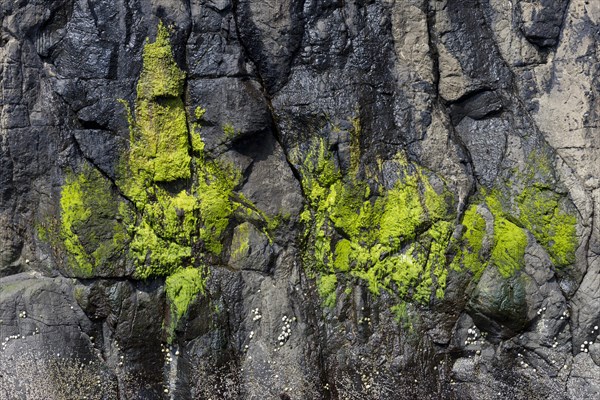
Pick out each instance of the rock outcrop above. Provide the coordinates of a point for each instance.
(390, 199)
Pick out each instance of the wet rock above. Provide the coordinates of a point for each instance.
(499, 305)
(471, 92)
(250, 249)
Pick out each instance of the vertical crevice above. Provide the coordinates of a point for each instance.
(276, 131)
(440, 103)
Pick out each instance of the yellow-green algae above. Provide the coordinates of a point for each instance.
(182, 287)
(181, 202)
(544, 212)
(394, 240)
(159, 148)
(89, 232)
(535, 208)
(182, 198)
(399, 239)
(185, 201)
(473, 236)
(508, 241)
(326, 287)
(240, 242)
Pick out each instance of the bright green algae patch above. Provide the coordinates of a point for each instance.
(182, 288)
(393, 239)
(536, 208)
(240, 242)
(90, 234)
(159, 145)
(165, 154)
(180, 202)
(510, 242)
(184, 200)
(541, 212)
(159, 150)
(400, 239)
(160, 77)
(326, 287)
(544, 212)
(507, 241)
(474, 234)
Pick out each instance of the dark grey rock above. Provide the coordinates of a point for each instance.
(466, 89)
(250, 249)
(542, 21)
(486, 141)
(499, 305)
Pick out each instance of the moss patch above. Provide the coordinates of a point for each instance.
(182, 288)
(394, 240)
(90, 234)
(182, 202)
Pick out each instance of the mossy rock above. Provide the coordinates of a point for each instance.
(392, 237)
(91, 235)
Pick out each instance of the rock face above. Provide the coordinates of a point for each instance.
(299, 200)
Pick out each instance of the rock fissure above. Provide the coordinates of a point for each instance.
(402, 191)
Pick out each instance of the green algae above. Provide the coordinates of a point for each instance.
(402, 213)
(180, 202)
(89, 233)
(363, 233)
(163, 150)
(474, 234)
(240, 242)
(398, 239)
(326, 286)
(74, 212)
(510, 242)
(160, 77)
(184, 201)
(229, 131)
(526, 204)
(541, 212)
(544, 212)
(182, 287)
(439, 236)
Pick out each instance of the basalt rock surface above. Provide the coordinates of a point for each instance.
(387, 199)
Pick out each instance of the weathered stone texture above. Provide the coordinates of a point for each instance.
(488, 98)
